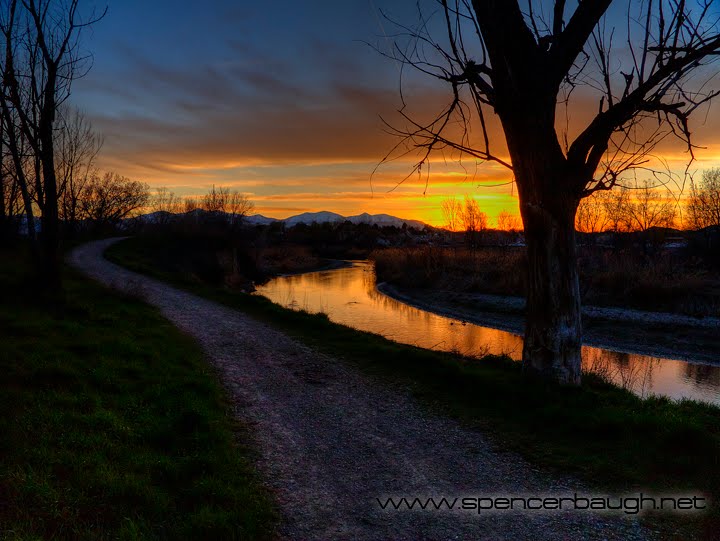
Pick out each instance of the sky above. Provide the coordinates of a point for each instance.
(282, 100)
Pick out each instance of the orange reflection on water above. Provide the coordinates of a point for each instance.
(349, 296)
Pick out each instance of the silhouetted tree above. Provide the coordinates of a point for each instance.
(614, 204)
(216, 199)
(238, 207)
(451, 210)
(648, 206)
(591, 215)
(11, 203)
(524, 66)
(507, 221)
(191, 204)
(164, 204)
(704, 202)
(77, 146)
(108, 199)
(474, 221)
(230, 202)
(42, 58)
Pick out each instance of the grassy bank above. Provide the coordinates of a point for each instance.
(603, 434)
(626, 278)
(114, 426)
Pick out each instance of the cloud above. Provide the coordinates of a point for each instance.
(286, 118)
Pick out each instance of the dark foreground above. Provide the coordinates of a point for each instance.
(113, 425)
(610, 438)
(332, 440)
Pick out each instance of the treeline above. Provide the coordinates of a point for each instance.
(643, 205)
(50, 186)
(47, 151)
(219, 204)
(637, 206)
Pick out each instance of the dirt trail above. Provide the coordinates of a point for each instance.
(333, 440)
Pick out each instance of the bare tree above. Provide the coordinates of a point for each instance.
(42, 58)
(473, 220)
(164, 204)
(591, 214)
(11, 204)
(508, 222)
(77, 148)
(238, 207)
(108, 199)
(230, 202)
(525, 65)
(452, 213)
(191, 204)
(17, 166)
(648, 206)
(216, 200)
(704, 201)
(614, 204)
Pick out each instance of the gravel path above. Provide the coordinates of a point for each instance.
(333, 440)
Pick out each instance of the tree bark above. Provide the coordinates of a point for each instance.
(553, 326)
(50, 215)
(3, 209)
(12, 139)
(549, 192)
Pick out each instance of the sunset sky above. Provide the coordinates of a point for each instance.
(280, 100)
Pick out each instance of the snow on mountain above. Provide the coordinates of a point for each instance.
(383, 220)
(310, 217)
(153, 217)
(259, 219)
(380, 220)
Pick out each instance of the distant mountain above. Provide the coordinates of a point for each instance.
(152, 217)
(259, 219)
(313, 217)
(380, 220)
(383, 220)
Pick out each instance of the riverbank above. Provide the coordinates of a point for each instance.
(658, 281)
(322, 265)
(654, 334)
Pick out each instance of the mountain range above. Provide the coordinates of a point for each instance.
(308, 218)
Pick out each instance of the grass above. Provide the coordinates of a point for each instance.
(599, 432)
(114, 426)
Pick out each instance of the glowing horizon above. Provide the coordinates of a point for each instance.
(289, 118)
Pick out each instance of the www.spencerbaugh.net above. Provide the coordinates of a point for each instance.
(631, 504)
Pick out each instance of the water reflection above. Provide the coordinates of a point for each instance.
(349, 297)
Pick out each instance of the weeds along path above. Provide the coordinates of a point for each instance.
(332, 440)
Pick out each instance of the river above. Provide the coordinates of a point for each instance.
(349, 296)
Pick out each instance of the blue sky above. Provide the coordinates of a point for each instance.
(279, 99)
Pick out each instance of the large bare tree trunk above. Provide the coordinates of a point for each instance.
(50, 215)
(3, 209)
(553, 327)
(51, 232)
(549, 193)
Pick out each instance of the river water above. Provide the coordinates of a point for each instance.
(349, 296)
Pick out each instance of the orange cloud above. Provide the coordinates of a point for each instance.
(293, 148)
